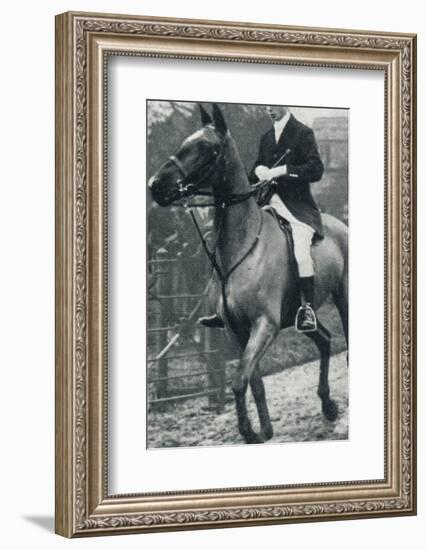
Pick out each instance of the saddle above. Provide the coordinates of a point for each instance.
(285, 226)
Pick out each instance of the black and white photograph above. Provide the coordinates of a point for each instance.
(213, 235)
(247, 274)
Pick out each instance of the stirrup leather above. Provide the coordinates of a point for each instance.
(305, 314)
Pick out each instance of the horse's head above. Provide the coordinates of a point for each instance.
(196, 164)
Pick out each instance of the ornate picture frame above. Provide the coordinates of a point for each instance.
(84, 42)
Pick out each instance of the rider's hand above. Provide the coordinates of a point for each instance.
(261, 172)
(277, 172)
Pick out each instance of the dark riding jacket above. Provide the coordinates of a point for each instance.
(304, 166)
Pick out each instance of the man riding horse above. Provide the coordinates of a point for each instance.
(289, 158)
(252, 256)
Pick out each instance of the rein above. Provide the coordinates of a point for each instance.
(226, 200)
(212, 255)
(212, 258)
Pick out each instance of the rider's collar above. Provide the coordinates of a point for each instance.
(279, 125)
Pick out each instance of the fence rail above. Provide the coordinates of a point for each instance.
(179, 376)
(185, 397)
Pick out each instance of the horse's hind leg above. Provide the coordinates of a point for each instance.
(262, 334)
(322, 339)
(341, 302)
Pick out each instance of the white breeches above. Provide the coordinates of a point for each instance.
(302, 235)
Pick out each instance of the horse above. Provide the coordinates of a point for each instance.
(260, 289)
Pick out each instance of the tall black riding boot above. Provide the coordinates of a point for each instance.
(306, 320)
(307, 289)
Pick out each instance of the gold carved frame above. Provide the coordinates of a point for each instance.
(83, 43)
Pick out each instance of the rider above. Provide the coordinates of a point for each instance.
(289, 158)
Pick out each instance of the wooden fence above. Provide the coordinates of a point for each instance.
(184, 359)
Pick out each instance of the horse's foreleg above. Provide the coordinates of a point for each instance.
(258, 391)
(245, 427)
(322, 339)
(262, 334)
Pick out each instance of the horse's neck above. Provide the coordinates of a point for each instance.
(236, 225)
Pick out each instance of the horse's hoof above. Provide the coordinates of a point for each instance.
(267, 434)
(253, 439)
(330, 410)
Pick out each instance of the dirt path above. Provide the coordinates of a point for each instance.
(294, 409)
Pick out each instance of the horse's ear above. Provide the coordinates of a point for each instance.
(219, 120)
(206, 118)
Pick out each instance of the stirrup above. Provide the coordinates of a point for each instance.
(212, 321)
(304, 311)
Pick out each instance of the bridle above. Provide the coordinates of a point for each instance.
(186, 186)
(189, 188)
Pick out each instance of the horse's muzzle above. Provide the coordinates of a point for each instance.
(152, 182)
(159, 193)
